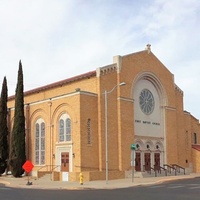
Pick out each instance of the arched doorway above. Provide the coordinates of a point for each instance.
(149, 98)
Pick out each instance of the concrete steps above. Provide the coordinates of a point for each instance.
(46, 177)
(146, 174)
(162, 174)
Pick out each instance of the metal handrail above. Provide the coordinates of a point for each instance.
(149, 171)
(155, 170)
(152, 168)
(144, 169)
(159, 170)
(169, 168)
(56, 166)
(47, 166)
(178, 167)
(164, 170)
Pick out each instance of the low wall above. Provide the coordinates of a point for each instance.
(88, 176)
(56, 176)
(97, 175)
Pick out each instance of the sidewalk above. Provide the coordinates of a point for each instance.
(112, 184)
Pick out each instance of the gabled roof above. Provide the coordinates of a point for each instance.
(58, 84)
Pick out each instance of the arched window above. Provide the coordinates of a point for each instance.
(61, 127)
(65, 128)
(40, 142)
(68, 129)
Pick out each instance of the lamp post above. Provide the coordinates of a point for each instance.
(106, 124)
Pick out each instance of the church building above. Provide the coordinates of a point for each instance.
(89, 122)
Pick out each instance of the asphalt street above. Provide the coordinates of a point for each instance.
(176, 190)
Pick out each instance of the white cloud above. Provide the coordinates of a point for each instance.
(62, 38)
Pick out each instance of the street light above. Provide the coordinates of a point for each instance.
(106, 123)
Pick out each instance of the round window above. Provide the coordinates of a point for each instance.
(147, 102)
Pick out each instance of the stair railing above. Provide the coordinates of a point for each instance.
(156, 169)
(170, 168)
(149, 169)
(178, 168)
(49, 167)
(165, 170)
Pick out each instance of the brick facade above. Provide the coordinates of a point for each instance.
(169, 130)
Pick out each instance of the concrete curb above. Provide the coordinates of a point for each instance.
(95, 185)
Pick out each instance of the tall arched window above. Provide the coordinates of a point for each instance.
(61, 128)
(40, 142)
(65, 128)
(68, 129)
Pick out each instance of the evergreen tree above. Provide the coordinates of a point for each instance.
(17, 153)
(3, 127)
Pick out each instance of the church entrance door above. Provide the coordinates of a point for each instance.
(65, 161)
(157, 161)
(138, 161)
(147, 161)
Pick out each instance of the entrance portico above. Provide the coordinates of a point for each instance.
(149, 154)
(149, 98)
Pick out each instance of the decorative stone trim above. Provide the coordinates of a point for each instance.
(178, 89)
(106, 70)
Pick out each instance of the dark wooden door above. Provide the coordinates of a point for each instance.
(138, 162)
(65, 161)
(147, 161)
(157, 161)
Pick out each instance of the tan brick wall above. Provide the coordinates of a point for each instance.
(89, 151)
(196, 160)
(107, 82)
(126, 134)
(181, 141)
(134, 65)
(171, 136)
(89, 103)
(40, 107)
(96, 175)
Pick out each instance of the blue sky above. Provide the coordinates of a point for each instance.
(58, 39)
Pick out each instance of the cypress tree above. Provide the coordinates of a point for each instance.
(3, 127)
(17, 153)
